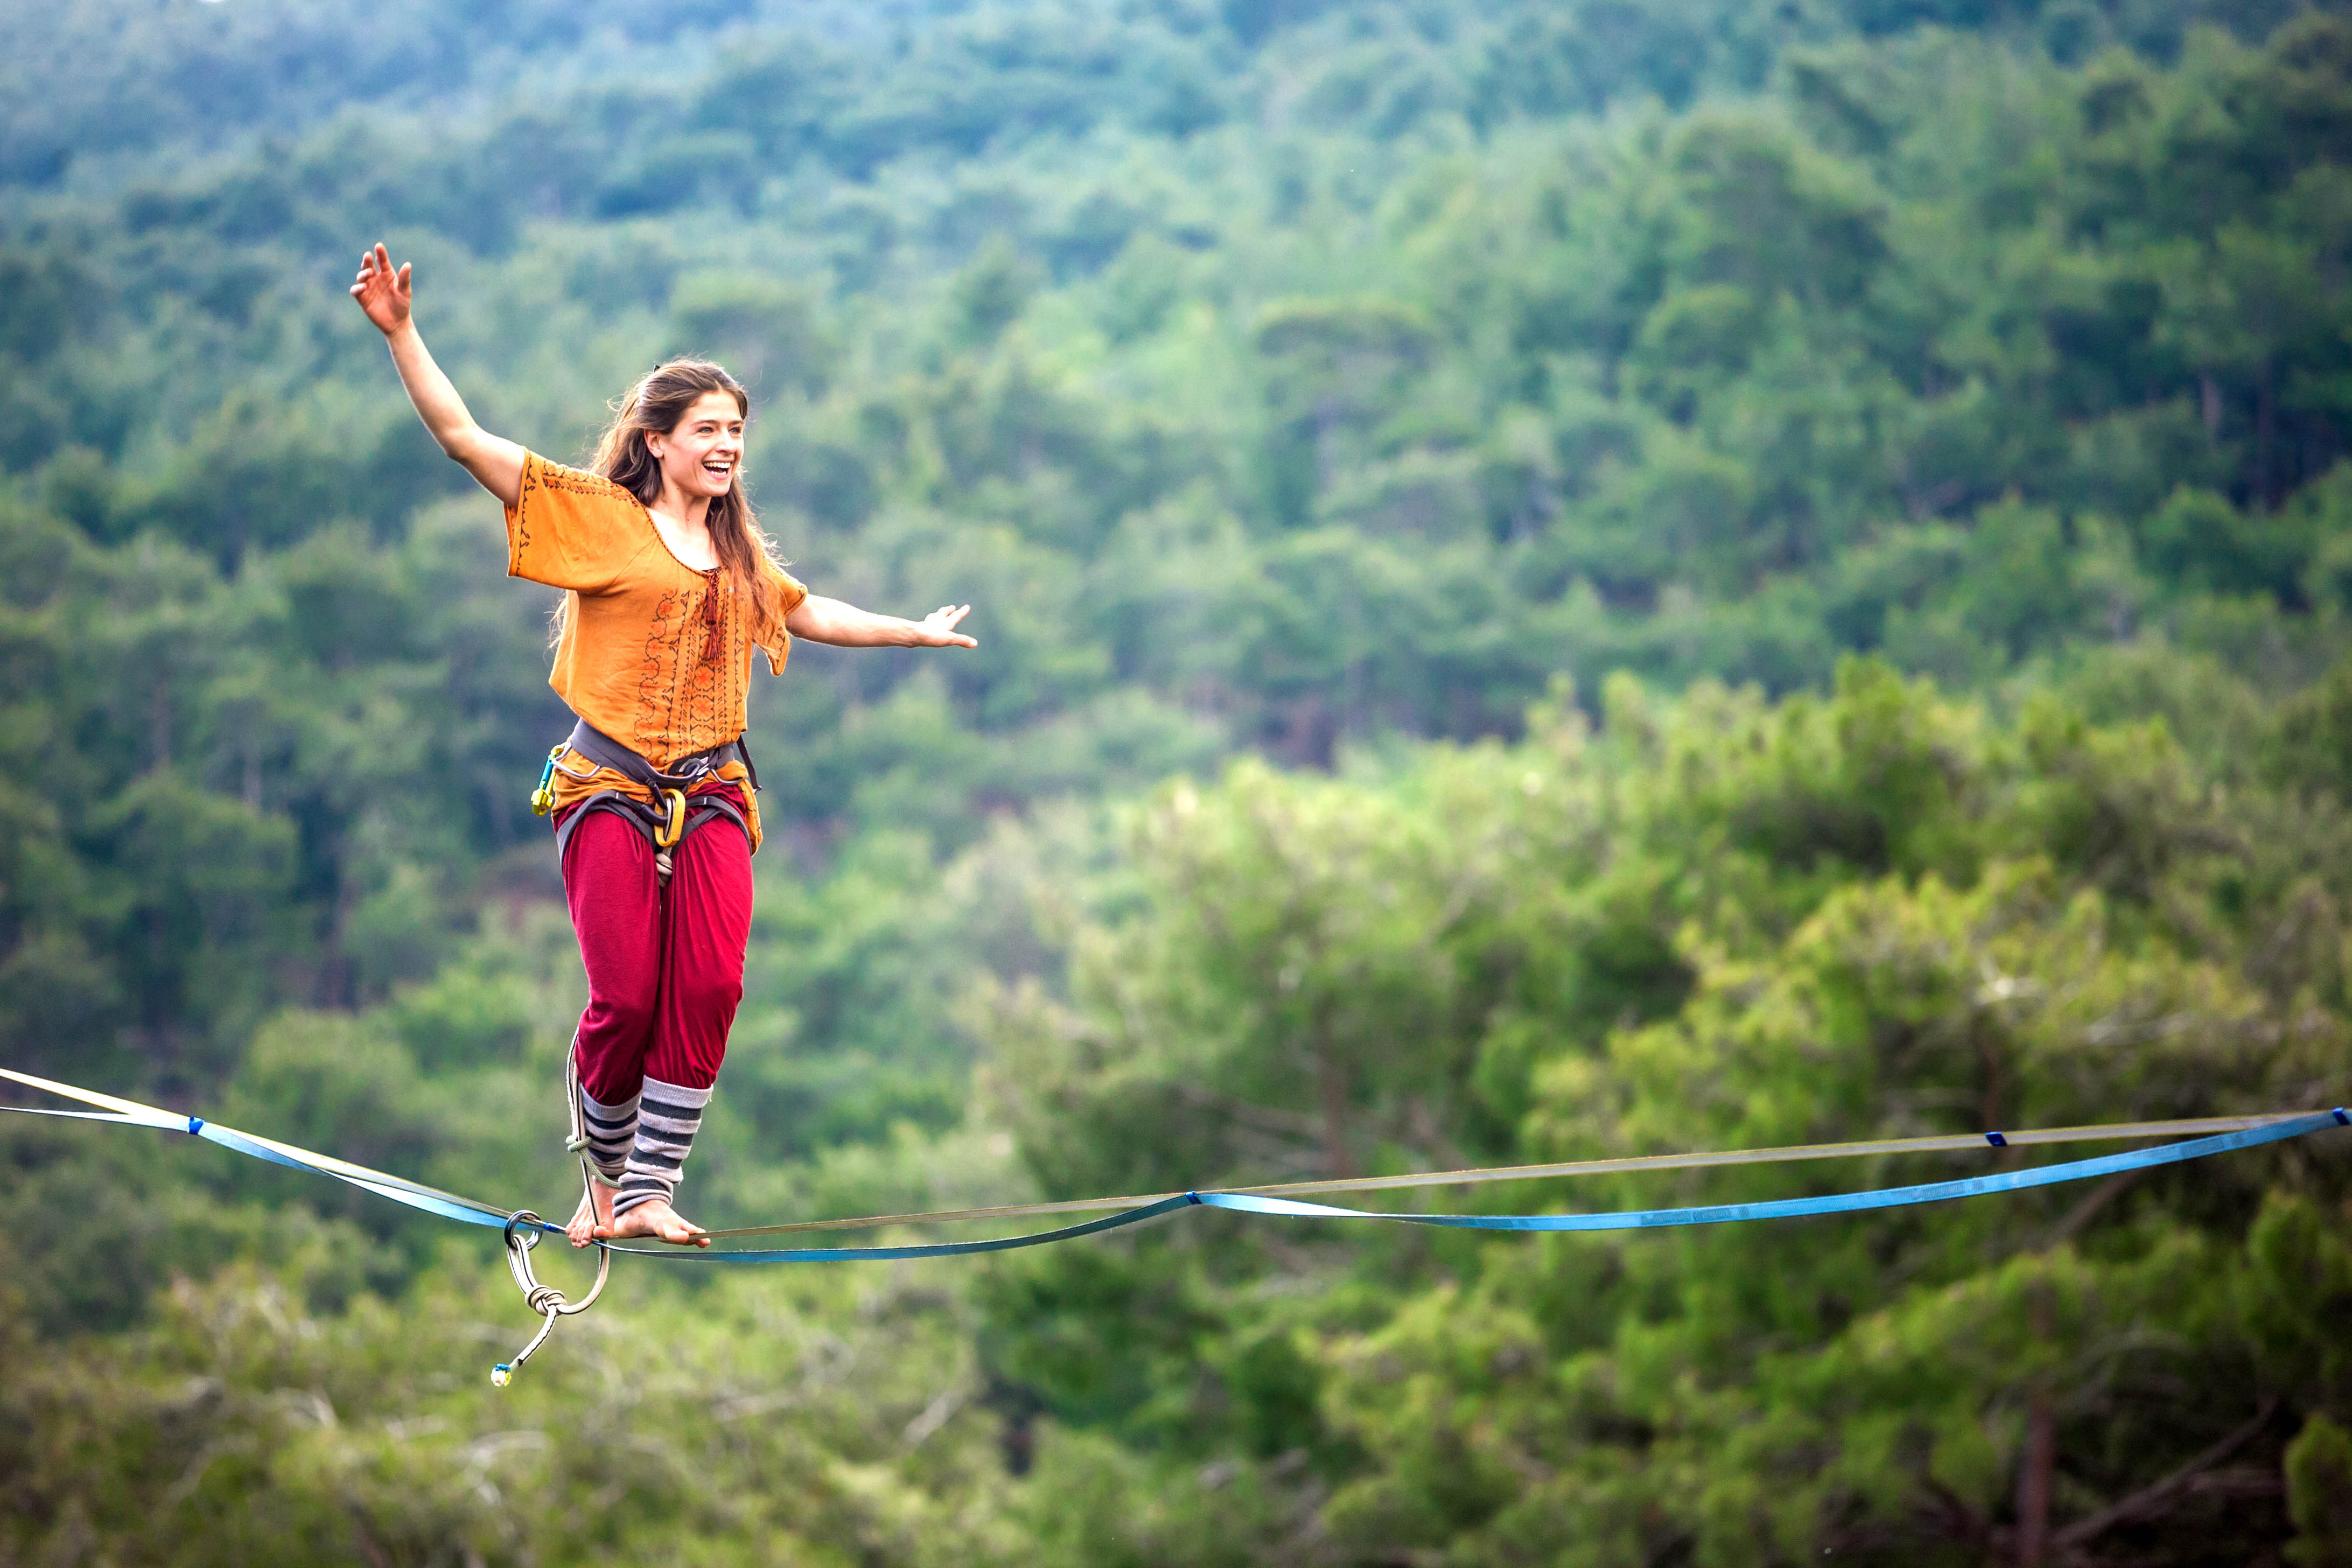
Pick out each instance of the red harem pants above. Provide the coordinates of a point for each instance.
(665, 967)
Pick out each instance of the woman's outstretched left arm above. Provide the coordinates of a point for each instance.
(820, 619)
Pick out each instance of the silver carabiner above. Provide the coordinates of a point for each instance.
(523, 1230)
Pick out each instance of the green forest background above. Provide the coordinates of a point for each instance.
(1555, 578)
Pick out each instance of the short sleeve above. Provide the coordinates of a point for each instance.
(573, 530)
(791, 593)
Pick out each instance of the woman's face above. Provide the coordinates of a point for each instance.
(701, 454)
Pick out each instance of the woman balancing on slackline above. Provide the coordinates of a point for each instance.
(670, 587)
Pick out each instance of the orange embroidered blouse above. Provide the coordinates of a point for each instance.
(654, 653)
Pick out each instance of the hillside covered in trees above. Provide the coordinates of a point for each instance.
(1554, 579)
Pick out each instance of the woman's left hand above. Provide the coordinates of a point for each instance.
(937, 629)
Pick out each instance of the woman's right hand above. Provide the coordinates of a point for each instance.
(383, 293)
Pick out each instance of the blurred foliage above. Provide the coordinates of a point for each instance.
(238, 1427)
(1424, 474)
(1716, 923)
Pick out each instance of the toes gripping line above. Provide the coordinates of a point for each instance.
(521, 1230)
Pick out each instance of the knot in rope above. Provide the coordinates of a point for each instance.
(524, 1229)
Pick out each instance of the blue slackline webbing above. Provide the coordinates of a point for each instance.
(1836, 1203)
(1637, 1219)
(131, 1114)
(449, 1206)
(933, 1249)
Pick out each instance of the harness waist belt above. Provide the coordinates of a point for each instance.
(684, 774)
(667, 818)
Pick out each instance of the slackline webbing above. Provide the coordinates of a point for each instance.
(2223, 1134)
(2119, 1133)
(131, 1114)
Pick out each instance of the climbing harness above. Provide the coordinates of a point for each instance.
(674, 810)
(521, 1229)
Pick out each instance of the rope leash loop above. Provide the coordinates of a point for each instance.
(521, 1235)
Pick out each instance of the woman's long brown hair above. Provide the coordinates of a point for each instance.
(654, 406)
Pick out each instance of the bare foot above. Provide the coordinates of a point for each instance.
(662, 1223)
(593, 1220)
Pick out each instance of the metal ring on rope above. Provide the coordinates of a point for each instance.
(523, 1232)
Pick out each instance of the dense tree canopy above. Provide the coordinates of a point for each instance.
(1554, 579)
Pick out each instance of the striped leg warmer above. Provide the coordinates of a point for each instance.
(668, 1115)
(611, 1131)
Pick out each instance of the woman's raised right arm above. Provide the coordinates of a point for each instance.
(494, 460)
